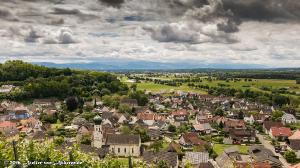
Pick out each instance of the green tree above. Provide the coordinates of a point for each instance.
(125, 130)
(241, 115)
(124, 108)
(72, 103)
(290, 156)
(157, 145)
(86, 139)
(161, 164)
(172, 128)
(58, 140)
(280, 100)
(133, 87)
(276, 115)
(219, 112)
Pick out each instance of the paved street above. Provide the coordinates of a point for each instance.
(268, 145)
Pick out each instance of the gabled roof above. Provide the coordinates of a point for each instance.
(193, 139)
(197, 157)
(261, 154)
(295, 136)
(180, 113)
(122, 139)
(170, 158)
(281, 131)
(174, 147)
(6, 124)
(202, 127)
(269, 124)
(242, 133)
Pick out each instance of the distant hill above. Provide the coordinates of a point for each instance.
(116, 65)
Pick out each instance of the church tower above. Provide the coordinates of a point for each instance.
(98, 133)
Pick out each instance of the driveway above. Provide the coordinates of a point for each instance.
(268, 145)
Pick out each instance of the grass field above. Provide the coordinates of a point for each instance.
(219, 148)
(158, 87)
(255, 85)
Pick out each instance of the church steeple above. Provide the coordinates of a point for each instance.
(97, 134)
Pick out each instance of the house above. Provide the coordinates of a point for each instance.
(150, 117)
(124, 145)
(196, 158)
(171, 158)
(228, 157)
(31, 125)
(268, 124)
(83, 130)
(7, 126)
(44, 103)
(242, 135)
(234, 124)
(280, 133)
(260, 154)
(288, 118)
(180, 115)
(6, 88)
(19, 113)
(249, 120)
(203, 128)
(295, 140)
(154, 134)
(295, 166)
(174, 147)
(129, 102)
(188, 140)
(261, 118)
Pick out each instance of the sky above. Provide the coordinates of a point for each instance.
(169, 31)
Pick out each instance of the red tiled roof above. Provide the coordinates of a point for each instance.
(150, 116)
(281, 131)
(193, 138)
(5, 124)
(179, 113)
(262, 165)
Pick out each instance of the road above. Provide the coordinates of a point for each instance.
(268, 145)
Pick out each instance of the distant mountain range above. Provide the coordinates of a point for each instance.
(119, 65)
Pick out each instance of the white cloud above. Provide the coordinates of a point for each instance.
(170, 36)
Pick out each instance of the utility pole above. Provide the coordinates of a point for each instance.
(130, 162)
(14, 143)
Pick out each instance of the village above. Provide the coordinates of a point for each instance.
(175, 129)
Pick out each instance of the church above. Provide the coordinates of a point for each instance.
(118, 144)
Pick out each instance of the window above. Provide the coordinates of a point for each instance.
(124, 150)
(118, 150)
(132, 150)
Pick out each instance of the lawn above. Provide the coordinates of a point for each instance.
(219, 148)
(56, 126)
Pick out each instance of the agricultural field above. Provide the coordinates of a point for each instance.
(264, 85)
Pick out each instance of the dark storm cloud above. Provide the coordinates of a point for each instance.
(264, 10)
(114, 3)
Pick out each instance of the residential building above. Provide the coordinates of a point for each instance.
(260, 154)
(242, 135)
(288, 118)
(280, 133)
(196, 158)
(295, 140)
(171, 158)
(268, 124)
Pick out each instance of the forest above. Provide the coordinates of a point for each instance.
(33, 81)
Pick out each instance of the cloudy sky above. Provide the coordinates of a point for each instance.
(264, 32)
